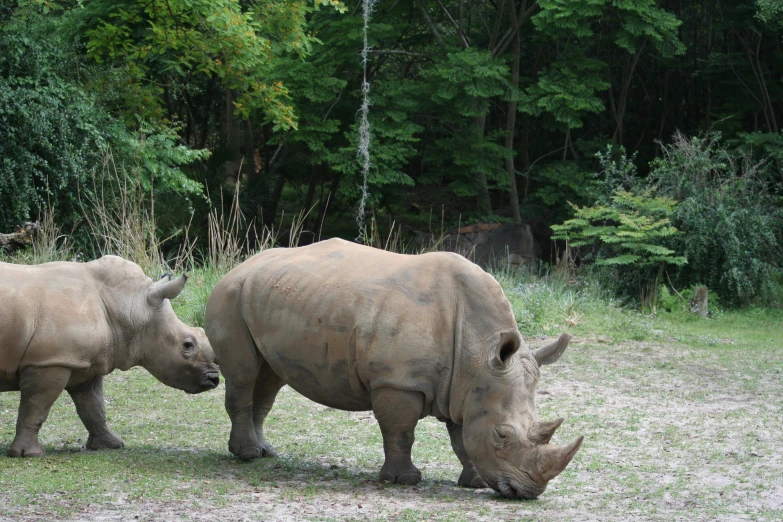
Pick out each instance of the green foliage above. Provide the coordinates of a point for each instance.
(627, 231)
(731, 219)
(679, 302)
(51, 133)
(55, 135)
(467, 80)
(567, 90)
(392, 139)
(235, 42)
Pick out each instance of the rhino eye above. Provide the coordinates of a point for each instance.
(188, 346)
(503, 432)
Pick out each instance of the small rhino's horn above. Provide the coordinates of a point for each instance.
(541, 432)
(165, 288)
(554, 459)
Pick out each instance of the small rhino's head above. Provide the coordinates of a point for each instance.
(502, 435)
(177, 355)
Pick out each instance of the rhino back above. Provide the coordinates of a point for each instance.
(51, 315)
(336, 320)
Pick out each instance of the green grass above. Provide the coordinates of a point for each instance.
(681, 419)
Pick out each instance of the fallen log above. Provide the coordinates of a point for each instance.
(19, 238)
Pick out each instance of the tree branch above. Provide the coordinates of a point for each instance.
(464, 40)
(433, 29)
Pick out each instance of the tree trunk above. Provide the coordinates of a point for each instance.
(315, 176)
(510, 125)
(274, 199)
(699, 301)
(628, 70)
(250, 153)
(482, 200)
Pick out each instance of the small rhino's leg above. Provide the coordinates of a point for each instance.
(267, 386)
(469, 477)
(88, 399)
(398, 412)
(240, 385)
(40, 387)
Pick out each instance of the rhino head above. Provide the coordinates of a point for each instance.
(176, 354)
(506, 442)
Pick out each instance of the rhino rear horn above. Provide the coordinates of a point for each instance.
(541, 432)
(552, 352)
(551, 460)
(166, 289)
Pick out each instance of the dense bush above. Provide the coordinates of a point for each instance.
(702, 203)
(49, 127)
(730, 218)
(61, 147)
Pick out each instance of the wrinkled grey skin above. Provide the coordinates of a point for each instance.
(63, 326)
(356, 328)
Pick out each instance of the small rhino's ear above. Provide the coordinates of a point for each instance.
(508, 344)
(552, 352)
(166, 288)
(165, 276)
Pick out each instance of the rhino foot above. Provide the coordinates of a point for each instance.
(400, 475)
(106, 441)
(470, 478)
(267, 450)
(245, 451)
(26, 450)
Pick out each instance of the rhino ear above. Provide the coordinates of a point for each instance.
(508, 344)
(166, 288)
(552, 352)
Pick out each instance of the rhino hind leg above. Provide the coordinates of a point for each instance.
(268, 384)
(40, 387)
(241, 380)
(88, 399)
(469, 477)
(397, 413)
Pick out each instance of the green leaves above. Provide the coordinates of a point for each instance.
(567, 90)
(236, 43)
(468, 79)
(628, 228)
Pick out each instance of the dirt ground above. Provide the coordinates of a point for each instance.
(672, 432)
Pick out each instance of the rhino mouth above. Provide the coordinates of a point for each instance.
(509, 489)
(209, 381)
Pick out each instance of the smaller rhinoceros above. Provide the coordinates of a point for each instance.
(63, 326)
(357, 328)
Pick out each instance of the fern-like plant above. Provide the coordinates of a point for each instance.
(626, 231)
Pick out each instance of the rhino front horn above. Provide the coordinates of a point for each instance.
(554, 459)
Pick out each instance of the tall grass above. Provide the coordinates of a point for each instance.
(547, 303)
(121, 217)
(48, 245)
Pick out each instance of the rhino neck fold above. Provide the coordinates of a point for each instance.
(459, 377)
(125, 346)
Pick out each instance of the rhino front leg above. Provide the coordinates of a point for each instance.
(469, 477)
(40, 387)
(397, 413)
(88, 398)
(267, 386)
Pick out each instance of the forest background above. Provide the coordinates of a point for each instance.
(645, 131)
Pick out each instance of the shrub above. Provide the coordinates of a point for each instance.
(730, 218)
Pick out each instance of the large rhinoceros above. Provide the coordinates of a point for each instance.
(356, 328)
(65, 325)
